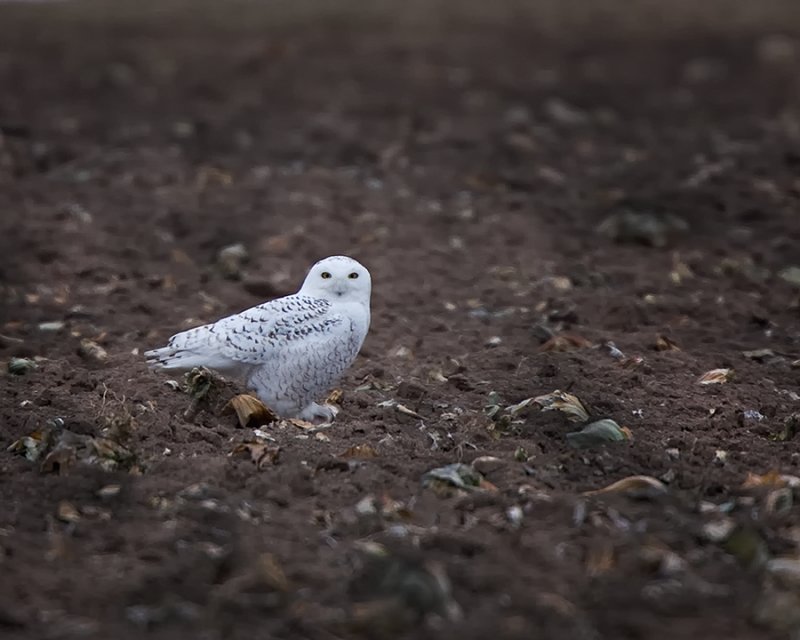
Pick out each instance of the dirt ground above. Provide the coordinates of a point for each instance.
(507, 177)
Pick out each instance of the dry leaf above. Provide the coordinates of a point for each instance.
(772, 479)
(250, 411)
(598, 433)
(110, 450)
(564, 402)
(67, 512)
(335, 397)
(779, 501)
(459, 475)
(301, 424)
(91, 351)
(716, 376)
(59, 460)
(663, 343)
(633, 486)
(31, 446)
(260, 453)
(630, 362)
(404, 409)
(400, 408)
(515, 409)
(270, 573)
(361, 451)
(565, 342)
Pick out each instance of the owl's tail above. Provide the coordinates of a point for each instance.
(170, 358)
(187, 350)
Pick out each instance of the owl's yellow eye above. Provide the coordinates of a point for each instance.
(326, 275)
(353, 275)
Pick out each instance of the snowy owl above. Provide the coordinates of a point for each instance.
(291, 350)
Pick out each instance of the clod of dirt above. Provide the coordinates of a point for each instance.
(650, 229)
(250, 411)
(383, 506)
(231, 260)
(487, 464)
(599, 558)
(21, 366)
(791, 425)
(759, 354)
(565, 402)
(778, 606)
(564, 113)
(260, 453)
(716, 376)
(634, 487)
(206, 390)
(60, 449)
(598, 433)
(747, 546)
(359, 451)
(663, 343)
(565, 342)
(745, 267)
(457, 475)
(397, 591)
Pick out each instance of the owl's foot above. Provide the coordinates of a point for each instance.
(319, 413)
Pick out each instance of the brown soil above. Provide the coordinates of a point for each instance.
(468, 164)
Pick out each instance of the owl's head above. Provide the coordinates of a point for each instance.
(338, 279)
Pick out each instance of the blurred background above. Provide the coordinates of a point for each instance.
(527, 181)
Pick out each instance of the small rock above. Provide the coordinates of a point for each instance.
(785, 571)
(776, 49)
(55, 325)
(487, 464)
(655, 230)
(20, 366)
(718, 530)
(759, 355)
(108, 491)
(564, 113)
(231, 259)
(494, 341)
(790, 275)
(673, 454)
(750, 417)
(514, 515)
